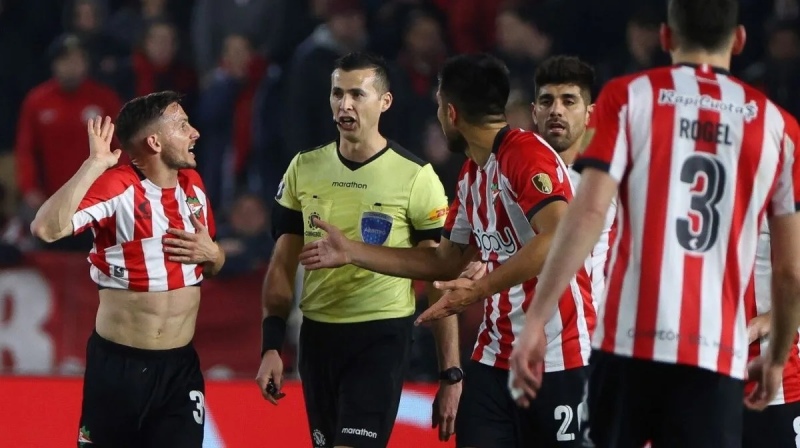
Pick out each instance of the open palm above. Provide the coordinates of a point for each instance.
(331, 251)
(101, 131)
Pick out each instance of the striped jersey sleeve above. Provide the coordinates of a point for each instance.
(786, 196)
(456, 226)
(100, 202)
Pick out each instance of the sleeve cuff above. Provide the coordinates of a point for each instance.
(434, 234)
(286, 220)
(588, 162)
(541, 204)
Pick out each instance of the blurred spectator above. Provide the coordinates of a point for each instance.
(154, 67)
(522, 42)
(420, 59)
(16, 77)
(51, 139)
(245, 236)
(213, 20)
(225, 116)
(471, 23)
(87, 20)
(308, 117)
(643, 47)
(10, 254)
(778, 75)
(128, 24)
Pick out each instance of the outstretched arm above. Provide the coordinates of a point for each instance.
(422, 263)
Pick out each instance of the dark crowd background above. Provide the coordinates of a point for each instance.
(256, 75)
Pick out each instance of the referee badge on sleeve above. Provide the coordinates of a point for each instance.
(375, 227)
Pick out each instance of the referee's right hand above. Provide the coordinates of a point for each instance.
(271, 369)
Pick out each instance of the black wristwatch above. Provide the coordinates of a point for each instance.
(452, 375)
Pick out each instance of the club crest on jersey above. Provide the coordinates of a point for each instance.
(375, 227)
(542, 183)
(194, 206)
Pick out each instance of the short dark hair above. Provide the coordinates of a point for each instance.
(703, 24)
(140, 112)
(477, 85)
(565, 70)
(362, 60)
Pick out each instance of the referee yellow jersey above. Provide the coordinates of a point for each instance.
(393, 199)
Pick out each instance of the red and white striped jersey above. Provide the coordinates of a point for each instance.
(492, 211)
(597, 260)
(700, 158)
(789, 392)
(129, 216)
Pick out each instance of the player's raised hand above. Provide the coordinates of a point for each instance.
(331, 251)
(526, 365)
(191, 248)
(100, 133)
(768, 377)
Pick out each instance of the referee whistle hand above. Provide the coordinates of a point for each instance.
(526, 366)
(101, 131)
(331, 251)
(270, 377)
(768, 377)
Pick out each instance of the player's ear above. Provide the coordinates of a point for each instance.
(533, 114)
(452, 114)
(589, 112)
(386, 101)
(153, 143)
(666, 38)
(739, 39)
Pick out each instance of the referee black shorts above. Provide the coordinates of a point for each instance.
(775, 426)
(136, 398)
(632, 401)
(352, 376)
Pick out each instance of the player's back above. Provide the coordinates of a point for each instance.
(697, 154)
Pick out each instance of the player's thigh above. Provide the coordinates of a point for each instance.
(371, 385)
(554, 417)
(178, 417)
(113, 396)
(619, 403)
(486, 413)
(777, 426)
(317, 360)
(701, 409)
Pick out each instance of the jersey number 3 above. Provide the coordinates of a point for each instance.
(706, 178)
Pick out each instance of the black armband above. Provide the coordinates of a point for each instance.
(273, 332)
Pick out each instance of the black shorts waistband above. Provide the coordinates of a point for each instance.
(126, 350)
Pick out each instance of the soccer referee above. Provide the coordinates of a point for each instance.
(355, 338)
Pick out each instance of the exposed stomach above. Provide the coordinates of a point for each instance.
(148, 320)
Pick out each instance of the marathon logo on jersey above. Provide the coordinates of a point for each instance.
(748, 111)
(542, 183)
(194, 205)
(501, 243)
(360, 432)
(375, 227)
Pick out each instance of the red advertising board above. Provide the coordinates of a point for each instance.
(39, 412)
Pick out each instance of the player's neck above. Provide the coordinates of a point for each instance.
(718, 60)
(160, 176)
(481, 141)
(361, 151)
(570, 154)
